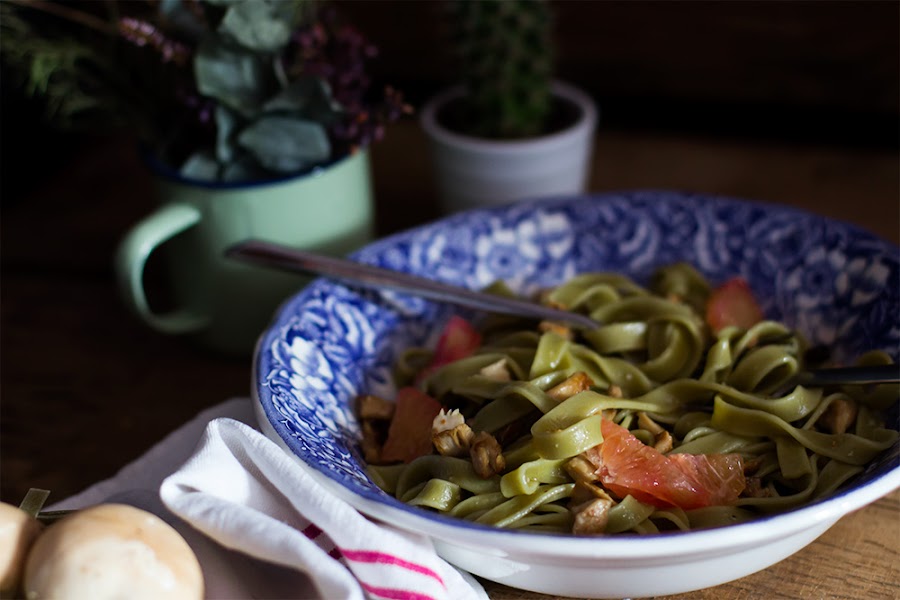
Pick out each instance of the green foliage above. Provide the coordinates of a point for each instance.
(229, 89)
(504, 49)
(263, 26)
(281, 124)
(75, 79)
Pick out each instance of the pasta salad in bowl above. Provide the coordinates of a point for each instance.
(666, 450)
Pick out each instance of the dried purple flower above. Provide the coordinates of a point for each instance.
(339, 54)
(142, 34)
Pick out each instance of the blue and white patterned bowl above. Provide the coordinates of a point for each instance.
(836, 283)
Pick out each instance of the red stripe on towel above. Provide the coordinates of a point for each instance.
(395, 594)
(312, 532)
(371, 556)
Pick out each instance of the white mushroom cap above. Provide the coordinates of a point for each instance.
(112, 551)
(18, 531)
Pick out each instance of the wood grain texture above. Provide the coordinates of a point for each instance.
(85, 388)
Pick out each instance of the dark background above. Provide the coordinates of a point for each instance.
(825, 72)
(804, 70)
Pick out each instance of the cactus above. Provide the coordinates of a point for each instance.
(503, 48)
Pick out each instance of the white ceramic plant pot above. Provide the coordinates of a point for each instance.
(473, 172)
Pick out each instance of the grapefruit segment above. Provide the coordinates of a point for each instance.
(626, 466)
(733, 303)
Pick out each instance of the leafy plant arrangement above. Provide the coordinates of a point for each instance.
(222, 90)
(504, 51)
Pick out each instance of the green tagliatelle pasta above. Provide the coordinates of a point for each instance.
(537, 397)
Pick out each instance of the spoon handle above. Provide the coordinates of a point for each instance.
(369, 276)
(851, 375)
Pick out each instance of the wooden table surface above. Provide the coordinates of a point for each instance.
(86, 388)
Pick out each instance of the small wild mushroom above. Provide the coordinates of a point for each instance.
(575, 383)
(112, 551)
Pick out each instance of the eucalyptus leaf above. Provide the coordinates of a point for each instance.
(226, 124)
(201, 165)
(286, 144)
(309, 97)
(182, 18)
(244, 168)
(260, 25)
(234, 77)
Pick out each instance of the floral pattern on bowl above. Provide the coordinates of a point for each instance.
(836, 283)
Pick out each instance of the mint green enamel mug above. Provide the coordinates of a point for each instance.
(222, 303)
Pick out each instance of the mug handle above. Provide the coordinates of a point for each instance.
(131, 257)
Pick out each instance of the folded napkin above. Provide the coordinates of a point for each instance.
(262, 526)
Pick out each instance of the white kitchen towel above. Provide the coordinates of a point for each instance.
(263, 527)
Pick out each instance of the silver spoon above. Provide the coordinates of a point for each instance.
(865, 375)
(372, 277)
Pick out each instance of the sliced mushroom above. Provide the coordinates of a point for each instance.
(663, 441)
(591, 517)
(497, 371)
(577, 382)
(560, 329)
(587, 481)
(645, 422)
(581, 470)
(839, 415)
(487, 455)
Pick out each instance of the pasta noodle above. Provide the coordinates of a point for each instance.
(541, 402)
